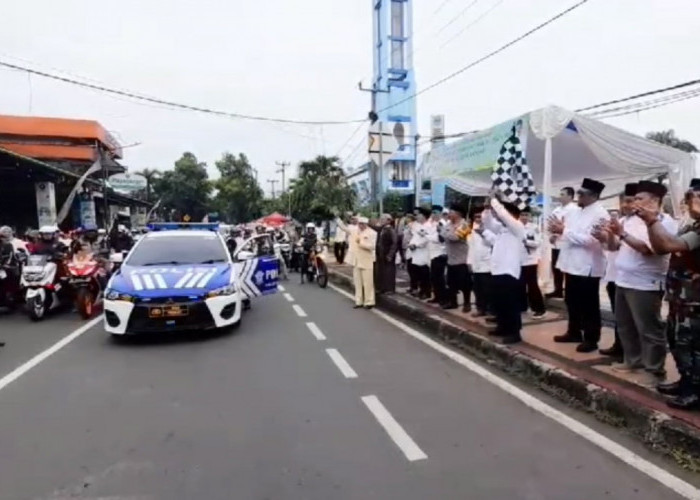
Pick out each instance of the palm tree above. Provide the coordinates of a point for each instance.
(150, 174)
(668, 137)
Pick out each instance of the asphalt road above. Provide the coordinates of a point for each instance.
(266, 412)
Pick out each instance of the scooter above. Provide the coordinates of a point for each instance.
(85, 278)
(44, 280)
(9, 287)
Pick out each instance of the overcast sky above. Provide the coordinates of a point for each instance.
(302, 59)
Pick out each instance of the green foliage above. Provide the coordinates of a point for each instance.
(150, 174)
(239, 198)
(320, 190)
(668, 137)
(185, 190)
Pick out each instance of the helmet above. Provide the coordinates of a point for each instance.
(101, 231)
(310, 225)
(270, 229)
(121, 228)
(48, 233)
(6, 233)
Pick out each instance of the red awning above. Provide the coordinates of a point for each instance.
(274, 219)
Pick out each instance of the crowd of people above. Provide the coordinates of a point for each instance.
(641, 253)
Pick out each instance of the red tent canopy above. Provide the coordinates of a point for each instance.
(274, 219)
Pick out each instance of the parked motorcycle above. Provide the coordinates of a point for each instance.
(44, 280)
(85, 277)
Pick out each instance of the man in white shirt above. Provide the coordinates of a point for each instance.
(437, 255)
(480, 241)
(562, 212)
(419, 252)
(340, 244)
(531, 293)
(583, 262)
(639, 283)
(506, 261)
(351, 234)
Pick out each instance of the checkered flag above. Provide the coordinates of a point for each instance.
(511, 175)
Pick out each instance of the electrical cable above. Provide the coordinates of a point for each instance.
(475, 21)
(637, 96)
(652, 105)
(488, 56)
(171, 104)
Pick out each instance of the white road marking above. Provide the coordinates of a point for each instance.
(288, 297)
(683, 488)
(342, 365)
(405, 443)
(148, 282)
(160, 281)
(300, 312)
(22, 369)
(280, 288)
(316, 331)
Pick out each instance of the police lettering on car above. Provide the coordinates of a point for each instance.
(180, 276)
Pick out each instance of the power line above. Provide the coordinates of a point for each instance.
(475, 21)
(642, 103)
(643, 94)
(171, 104)
(489, 55)
(354, 133)
(459, 14)
(647, 105)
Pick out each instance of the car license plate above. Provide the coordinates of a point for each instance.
(168, 312)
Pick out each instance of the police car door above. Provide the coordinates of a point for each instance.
(258, 267)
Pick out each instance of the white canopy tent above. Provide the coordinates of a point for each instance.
(562, 148)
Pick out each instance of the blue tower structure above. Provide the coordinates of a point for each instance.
(393, 88)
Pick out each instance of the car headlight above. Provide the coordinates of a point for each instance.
(111, 294)
(224, 290)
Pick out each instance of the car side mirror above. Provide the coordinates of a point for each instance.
(245, 255)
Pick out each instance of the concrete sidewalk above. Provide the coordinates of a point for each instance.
(582, 380)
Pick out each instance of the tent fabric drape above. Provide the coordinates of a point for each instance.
(547, 123)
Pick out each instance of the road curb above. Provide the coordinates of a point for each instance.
(661, 432)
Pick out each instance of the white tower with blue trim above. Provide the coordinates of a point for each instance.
(394, 88)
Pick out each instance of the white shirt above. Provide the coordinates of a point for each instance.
(564, 213)
(479, 256)
(420, 255)
(610, 267)
(506, 257)
(435, 248)
(638, 271)
(582, 254)
(340, 235)
(532, 244)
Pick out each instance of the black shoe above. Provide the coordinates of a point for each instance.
(615, 351)
(539, 315)
(512, 339)
(449, 306)
(369, 307)
(423, 296)
(466, 308)
(567, 338)
(554, 295)
(495, 333)
(433, 301)
(491, 319)
(669, 388)
(479, 314)
(586, 347)
(356, 307)
(689, 402)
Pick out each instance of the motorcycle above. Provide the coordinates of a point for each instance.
(9, 287)
(84, 278)
(43, 278)
(315, 267)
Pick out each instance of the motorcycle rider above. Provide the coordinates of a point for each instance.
(308, 242)
(120, 240)
(48, 243)
(8, 254)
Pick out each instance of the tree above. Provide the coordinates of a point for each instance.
(668, 137)
(320, 190)
(239, 198)
(150, 174)
(186, 189)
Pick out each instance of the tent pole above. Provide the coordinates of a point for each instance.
(546, 271)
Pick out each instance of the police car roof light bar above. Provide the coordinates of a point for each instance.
(170, 226)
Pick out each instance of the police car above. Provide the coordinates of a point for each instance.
(181, 277)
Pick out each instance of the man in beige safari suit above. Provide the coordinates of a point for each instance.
(363, 261)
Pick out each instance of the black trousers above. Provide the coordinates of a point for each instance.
(339, 251)
(482, 291)
(558, 275)
(611, 288)
(506, 304)
(583, 307)
(423, 279)
(412, 275)
(458, 280)
(531, 293)
(437, 278)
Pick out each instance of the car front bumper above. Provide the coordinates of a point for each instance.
(128, 318)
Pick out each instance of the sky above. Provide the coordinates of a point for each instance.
(303, 60)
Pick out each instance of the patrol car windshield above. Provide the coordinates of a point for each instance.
(178, 249)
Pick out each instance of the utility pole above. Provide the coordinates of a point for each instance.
(273, 182)
(378, 191)
(283, 167)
